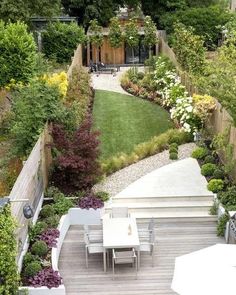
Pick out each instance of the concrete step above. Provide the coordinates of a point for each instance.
(158, 199)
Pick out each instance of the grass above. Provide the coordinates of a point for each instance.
(125, 121)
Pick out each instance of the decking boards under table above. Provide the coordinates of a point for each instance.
(173, 239)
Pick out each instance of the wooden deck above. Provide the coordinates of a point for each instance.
(173, 239)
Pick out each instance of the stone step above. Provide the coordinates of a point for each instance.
(158, 199)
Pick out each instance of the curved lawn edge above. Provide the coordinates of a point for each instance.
(126, 121)
(155, 145)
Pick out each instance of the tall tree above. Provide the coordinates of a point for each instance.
(131, 35)
(115, 35)
(85, 10)
(96, 37)
(11, 10)
(150, 33)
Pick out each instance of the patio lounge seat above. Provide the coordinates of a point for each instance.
(119, 212)
(124, 257)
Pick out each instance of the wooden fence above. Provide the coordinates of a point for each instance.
(220, 119)
(76, 60)
(30, 184)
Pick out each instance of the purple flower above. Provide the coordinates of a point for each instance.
(46, 277)
(50, 237)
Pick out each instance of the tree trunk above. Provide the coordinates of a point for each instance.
(114, 59)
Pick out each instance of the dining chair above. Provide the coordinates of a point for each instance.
(91, 247)
(94, 232)
(124, 257)
(148, 245)
(119, 212)
(144, 233)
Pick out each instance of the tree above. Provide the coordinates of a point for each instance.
(207, 22)
(150, 33)
(86, 10)
(115, 35)
(131, 35)
(96, 37)
(189, 49)
(17, 53)
(11, 10)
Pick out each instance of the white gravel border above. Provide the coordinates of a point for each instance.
(119, 180)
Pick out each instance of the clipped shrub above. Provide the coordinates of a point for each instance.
(90, 201)
(140, 75)
(62, 206)
(29, 257)
(215, 185)
(39, 248)
(209, 159)
(46, 277)
(50, 237)
(222, 224)
(51, 191)
(36, 230)
(228, 198)
(208, 169)
(32, 269)
(61, 39)
(174, 144)
(18, 53)
(173, 149)
(104, 196)
(47, 211)
(199, 153)
(52, 221)
(173, 156)
(218, 174)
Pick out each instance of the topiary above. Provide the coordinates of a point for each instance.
(222, 224)
(63, 205)
(209, 159)
(52, 221)
(39, 248)
(47, 211)
(208, 169)
(173, 156)
(228, 198)
(215, 185)
(32, 269)
(175, 139)
(28, 258)
(219, 174)
(173, 149)
(174, 144)
(200, 153)
(140, 75)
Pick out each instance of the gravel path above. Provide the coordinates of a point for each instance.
(118, 181)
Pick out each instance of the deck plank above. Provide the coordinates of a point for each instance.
(173, 239)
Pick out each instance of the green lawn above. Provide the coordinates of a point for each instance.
(125, 121)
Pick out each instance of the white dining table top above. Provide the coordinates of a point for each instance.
(120, 233)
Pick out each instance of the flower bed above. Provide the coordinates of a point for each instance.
(163, 86)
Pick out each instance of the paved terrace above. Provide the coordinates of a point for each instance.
(174, 238)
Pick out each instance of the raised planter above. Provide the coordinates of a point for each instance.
(75, 216)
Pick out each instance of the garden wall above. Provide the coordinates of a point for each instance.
(30, 185)
(220, 119)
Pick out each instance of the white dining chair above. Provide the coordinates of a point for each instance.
(144, 233)
(91, 247)
(148, 245)
(94, 232)
(119, 212)
(124, 257)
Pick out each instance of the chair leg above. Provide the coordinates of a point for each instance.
(108, 259)
(86, 256)
(152, 256)
(136, 267)
(113, 268)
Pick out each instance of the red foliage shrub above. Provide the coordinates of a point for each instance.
(76, 167)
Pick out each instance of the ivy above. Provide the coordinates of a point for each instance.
(8, 251)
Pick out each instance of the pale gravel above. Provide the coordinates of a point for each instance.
(119, 180)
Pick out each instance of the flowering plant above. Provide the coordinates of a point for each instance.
(50, 237)
(46, 277)
(58, 79)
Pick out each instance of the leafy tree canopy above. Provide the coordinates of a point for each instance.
(11, 10)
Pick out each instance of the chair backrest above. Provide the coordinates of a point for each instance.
(152, 237)
(151, 225)
(117, 212)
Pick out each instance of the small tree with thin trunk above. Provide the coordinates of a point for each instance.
(150, 36)
(115, 35)
(96, 37)
(131, 35)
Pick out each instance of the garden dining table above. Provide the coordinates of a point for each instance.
(120, 233)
